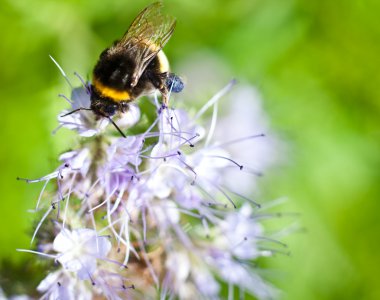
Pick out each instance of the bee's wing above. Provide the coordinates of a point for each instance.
(146, 36)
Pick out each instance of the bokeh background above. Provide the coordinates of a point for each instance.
(316, 65)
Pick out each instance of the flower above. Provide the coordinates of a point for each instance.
(60, 285)
(79, 250)
(160, 202)
(83, 123)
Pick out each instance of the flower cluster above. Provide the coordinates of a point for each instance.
(157, 214)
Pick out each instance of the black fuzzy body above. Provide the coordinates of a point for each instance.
(114, 71)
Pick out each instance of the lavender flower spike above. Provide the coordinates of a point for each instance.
(154, 215)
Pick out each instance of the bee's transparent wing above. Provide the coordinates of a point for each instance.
(146, 36)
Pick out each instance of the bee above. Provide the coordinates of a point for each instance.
(134, 66)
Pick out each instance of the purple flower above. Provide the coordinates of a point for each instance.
(165, 199)
(239, 233)
(79, 250)
(59, 285)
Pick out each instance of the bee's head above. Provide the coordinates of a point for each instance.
(103, 106)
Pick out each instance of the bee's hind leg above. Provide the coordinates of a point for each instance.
(159, 82)
(165, 96)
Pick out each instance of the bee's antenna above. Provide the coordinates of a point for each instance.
(108, 117)
(75, 110)
(117, 127)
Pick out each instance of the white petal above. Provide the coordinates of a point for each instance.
(79, 160)
(67, 155)
(88, 267)
(63, 241)
(206, 283)
(179, 265)
(167, 213)
(81, 98)
(83, 234)
(48, 281)
(98, 246)
(87, 133)
(70, 262)
(129, 118)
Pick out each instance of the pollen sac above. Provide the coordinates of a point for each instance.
(174, 83)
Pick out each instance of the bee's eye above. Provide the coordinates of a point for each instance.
(110, 109)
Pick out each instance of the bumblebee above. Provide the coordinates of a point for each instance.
(134, 66)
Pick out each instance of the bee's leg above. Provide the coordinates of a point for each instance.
(165, 96)
(124, 106)
(164, 89)
(159, 82)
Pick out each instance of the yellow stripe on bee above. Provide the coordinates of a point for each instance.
(161, 57)
(108, 92)
(163, 62)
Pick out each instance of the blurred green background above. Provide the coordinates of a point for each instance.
(316, 64)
